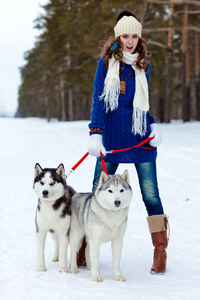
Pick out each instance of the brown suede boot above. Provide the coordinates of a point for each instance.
(158, 229)
(81, 260)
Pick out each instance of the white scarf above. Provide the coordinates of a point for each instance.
(111, 91)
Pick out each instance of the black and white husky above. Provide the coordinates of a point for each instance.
(101, 217)
(53, 213)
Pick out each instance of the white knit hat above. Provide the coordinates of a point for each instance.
(128, 25)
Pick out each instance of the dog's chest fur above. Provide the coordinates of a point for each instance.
(108, 224)
(53, 215)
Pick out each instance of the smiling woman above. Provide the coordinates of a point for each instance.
(121, 119)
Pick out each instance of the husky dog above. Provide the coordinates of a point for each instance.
(53, 213)
(101, 217)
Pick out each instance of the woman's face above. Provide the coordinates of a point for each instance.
(129, 42)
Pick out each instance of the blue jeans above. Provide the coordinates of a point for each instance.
(148, 184)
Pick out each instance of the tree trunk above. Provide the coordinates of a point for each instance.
(186, 96)
(168, 90)
(48, 117)
(198, 99)
(84, 107)
(186, 66)
(70, 104)
(161, 102)
(197, 69)
(161, 109)
(169, 68)
(62, 95)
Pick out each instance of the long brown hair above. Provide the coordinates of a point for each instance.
(141, 49)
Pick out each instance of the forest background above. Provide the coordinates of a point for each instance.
(57, 79)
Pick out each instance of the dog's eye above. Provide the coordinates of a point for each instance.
(41, 182)
(52, 183)
(122, 190)
(110, 191)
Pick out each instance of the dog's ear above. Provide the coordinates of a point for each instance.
(61, 170)
(38, 169)
(125, 176)
(104, 177)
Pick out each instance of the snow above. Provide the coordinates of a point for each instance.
(27, 141)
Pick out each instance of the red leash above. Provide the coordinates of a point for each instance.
(103, 163)
(136, 146)
(83, 158)
(77, 164)
(80, 161)
(112, 151)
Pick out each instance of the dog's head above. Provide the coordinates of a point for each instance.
(49, 184)
(113, 191)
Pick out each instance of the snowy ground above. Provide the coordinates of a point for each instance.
(27, 141)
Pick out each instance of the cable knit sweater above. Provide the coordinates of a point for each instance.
(116, 125)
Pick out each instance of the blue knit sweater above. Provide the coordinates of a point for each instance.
(117, 125)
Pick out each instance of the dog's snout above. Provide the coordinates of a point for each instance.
(45, 193)
(117, 203)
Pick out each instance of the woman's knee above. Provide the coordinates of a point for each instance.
(151, 198)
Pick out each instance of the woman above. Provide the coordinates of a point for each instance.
(120, 119)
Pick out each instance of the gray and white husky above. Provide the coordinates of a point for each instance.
(53, 213)
(101, 217)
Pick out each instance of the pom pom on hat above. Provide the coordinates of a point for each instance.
(126, 25)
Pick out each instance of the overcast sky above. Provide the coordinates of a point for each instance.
(17, 36)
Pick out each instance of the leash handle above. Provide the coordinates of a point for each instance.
(136, 146)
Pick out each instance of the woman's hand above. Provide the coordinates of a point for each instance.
(96, 145)
(156, 134)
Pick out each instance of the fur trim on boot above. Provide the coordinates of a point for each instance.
(158, 229)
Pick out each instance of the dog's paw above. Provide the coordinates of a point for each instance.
(74, 270)
(64, 269)
(119, 278)
(97, 278)
(41, 268)
(55, 259)
(89, 266)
